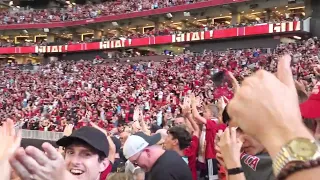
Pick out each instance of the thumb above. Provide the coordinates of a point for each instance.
(284, 72)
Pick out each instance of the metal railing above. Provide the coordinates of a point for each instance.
(41, 135)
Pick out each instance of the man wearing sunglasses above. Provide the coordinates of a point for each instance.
(142, 150)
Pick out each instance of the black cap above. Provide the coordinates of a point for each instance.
(90, 135)
(151, 140)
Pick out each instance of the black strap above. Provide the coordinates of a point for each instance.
(235, 171)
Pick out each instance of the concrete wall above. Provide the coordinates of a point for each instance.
(239, 43)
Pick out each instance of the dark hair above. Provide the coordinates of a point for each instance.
(101, 156)
(182, 135)
(225, 116)
(219, 78)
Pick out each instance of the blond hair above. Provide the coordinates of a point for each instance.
(118, 176)
(213, 109)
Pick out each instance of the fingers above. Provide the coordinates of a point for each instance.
(29, 164)
(16, 143)
(51, 152)
(219, 156)
(234, 81)
(20, 169)
(217, 148)
(240, 141)
(225, 99)
(284, 73)
(233, 134)
(37, 155)
(10, 127)
(226, 136)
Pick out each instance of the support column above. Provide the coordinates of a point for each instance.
(308, 8)
(97, 34)
(236, 18)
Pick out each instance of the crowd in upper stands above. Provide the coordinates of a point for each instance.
(166, 30)
(82, 91)
(80, 12)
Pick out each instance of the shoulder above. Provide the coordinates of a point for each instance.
(172, 165)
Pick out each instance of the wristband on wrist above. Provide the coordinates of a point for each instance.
(235, 171)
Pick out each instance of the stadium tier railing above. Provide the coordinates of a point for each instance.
(41, 135)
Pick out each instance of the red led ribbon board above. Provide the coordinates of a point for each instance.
(158, 40)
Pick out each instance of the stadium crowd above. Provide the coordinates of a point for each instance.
(165, 120)
(82, 91)
(133, 34)
(87, 11)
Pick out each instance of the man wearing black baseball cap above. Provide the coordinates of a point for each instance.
(86, 152)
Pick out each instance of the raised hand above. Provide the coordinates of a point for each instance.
(186, 106)
(136, 114)
(68, 130)
(222, 103)
(32, 163)
(234, 81)
(267, 107)
(10, 141)
(229, 147)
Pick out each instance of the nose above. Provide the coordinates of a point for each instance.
(75, 160)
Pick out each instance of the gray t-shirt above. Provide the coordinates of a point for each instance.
(257, 167)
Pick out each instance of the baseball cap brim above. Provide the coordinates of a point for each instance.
(69, 140)
(151, 140)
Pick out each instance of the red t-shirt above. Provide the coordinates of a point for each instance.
(222, 173)
(211, 130)
(191, 152)
(105, 173)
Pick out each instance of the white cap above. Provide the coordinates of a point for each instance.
(133, 145)
(137, 142)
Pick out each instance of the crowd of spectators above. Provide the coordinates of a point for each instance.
(132, 34)
(80, 12)
(191, 116)
(79, 92)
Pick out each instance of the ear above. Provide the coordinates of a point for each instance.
(104, 164)
(176, 142)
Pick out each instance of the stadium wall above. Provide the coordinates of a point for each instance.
(261, 42)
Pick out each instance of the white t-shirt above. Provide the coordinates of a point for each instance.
(160, 95)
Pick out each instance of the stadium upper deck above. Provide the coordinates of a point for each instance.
(181, 21)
